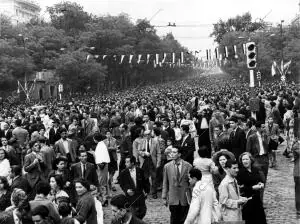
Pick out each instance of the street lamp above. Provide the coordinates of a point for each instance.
(281, 37)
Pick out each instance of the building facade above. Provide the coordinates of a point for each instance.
(20, 11)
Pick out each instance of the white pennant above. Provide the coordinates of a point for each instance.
(130, 58)
(88, 57)
(235, 52)
(157, 58)
(181, 56)
(104, 56)
(154, 64)
(173, 58)
(148, 58)
(122, 58)
(139, 58)
(164, 59)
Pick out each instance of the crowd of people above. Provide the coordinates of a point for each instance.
(194, 141)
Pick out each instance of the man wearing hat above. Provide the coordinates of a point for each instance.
(65, 147)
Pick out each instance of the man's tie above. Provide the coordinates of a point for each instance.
(236, 187)
(178, 172)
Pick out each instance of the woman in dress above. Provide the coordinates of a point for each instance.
(85, 208)
(251, 181)
(205, 164)
(4, 194)
(57, 194)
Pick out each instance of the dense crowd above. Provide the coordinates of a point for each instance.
(193, 140)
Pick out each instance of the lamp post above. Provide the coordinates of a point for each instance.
(281, 40)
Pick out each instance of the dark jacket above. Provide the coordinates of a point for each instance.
(90, 174)
(21, 183)
(188, 148)
(142, 185)
(237, 142)
(86, 210)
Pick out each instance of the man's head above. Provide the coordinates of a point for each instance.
(5, 126)
(146, 118)
(4, 141)
(270, 120)
(232, 167)
(63, 134)
(166, 122)
(175, 152)
(185, 129)
(108, 134)
(83, 156)
(147, 134)
(218, 129)
(39, 214)
(35, 146)
(130, 162)
(260, 126)
(233, 122)
(43, 188)
(194, 176)
(15, 171)
(123, 128)
(119, 207)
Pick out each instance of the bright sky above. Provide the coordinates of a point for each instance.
(190, 12)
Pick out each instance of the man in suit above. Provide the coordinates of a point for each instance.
(149, 155)
(6, 132)
(11, 152)
(237, 138)
(257, 145)
(54, 132)
(87, 124)
(64, 147)
(85, 170)
(187, 144)
(21, 135)
(250, 128)
(176, 185)
(148, 125)
(34, 165)
(18, 181)
(135, 186)
(168, 129)
(272, 131)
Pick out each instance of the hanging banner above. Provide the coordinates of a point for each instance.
(130, 58)
(157, 58)
(139, 58)
(173, 58)
(104, 56)
(181, 55)
(235, 51)
(122, 58)
(148, 58)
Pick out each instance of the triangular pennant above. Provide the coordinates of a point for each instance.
(122, 58)
(148, 58)
(130, 58)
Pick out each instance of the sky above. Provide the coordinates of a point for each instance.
(198, 13)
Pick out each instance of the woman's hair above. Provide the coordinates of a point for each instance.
(204, 152)
(4, 182)
(58, 160)
(58, 179)
(5, 153)
(17, 196)
(64, 209)
(248, 154)
(84, 183)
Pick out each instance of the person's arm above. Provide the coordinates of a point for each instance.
(165, 189)
(158, 154)
(53, 213)
(194, 208)
(28, 166)
(224, 198)
(83, 208)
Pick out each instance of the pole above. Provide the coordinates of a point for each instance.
(252, 94)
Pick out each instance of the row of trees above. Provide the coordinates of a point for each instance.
(64, 43)
(269, 40)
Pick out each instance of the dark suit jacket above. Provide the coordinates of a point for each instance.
(253, 144)
(33, 172)
(54, 137)
(90, 174)
(238, 142)
(171, 133)
(142, 185)
(8, 135)
(188, 148)
(22, 183)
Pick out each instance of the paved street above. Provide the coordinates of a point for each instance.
(279, 198)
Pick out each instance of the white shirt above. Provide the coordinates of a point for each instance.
(66, 145)
(261, 146)
(179, 166)
(204, 124)
(82, 169)
(4, 168)
(133, 175)
(101, 153)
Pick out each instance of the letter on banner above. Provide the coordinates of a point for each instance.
(181, 54)
(148, 58)
(122, 58)
(139, 58)
(157, 58)
(173, 58)
(104, 56)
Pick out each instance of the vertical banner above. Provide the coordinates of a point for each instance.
(173, 58)
(181, 56)
(226, 52)
(122, 58)
(157, 58)
(217, 52)
(206, 54)
(148, 58)
(164, 58)
(235, 51)
(130, 58)
(139, 58)
(244, 49)
(104, 56)
(209, 54)
(154, 63)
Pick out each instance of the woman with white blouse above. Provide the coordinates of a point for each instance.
(4, 164)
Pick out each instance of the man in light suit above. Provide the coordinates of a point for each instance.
(65, 147)
(87, 124)
(149, 155)
(176, 186)
(34, 165)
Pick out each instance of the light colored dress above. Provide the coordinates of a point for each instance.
(206, 166)
(4, 168)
